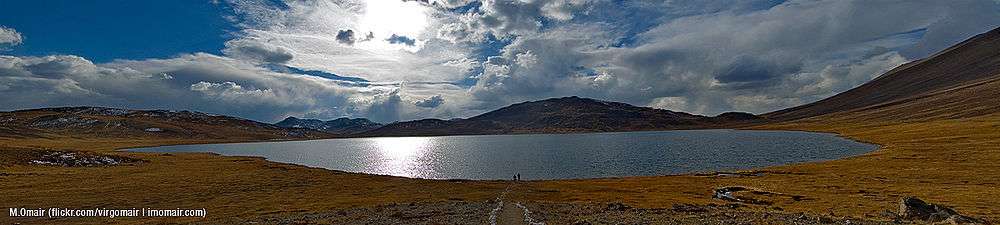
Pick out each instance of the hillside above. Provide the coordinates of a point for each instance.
(563, 115)
(959, 82)
(111, 123)
(338, 126)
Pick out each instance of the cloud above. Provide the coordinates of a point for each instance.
(506, 19)
(346, 37)
(431, 102)
(10, 37)
(202, 82)
(746, 57)
(399, 39)
(257, 51)
(451, 3)
(311, 29)
(231, 92)
(669, 103)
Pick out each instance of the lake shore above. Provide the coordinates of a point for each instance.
(951, 162)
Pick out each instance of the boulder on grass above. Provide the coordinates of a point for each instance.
(912, 208)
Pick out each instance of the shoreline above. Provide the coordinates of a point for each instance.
(875, 148)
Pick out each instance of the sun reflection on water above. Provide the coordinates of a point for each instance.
(400, 155)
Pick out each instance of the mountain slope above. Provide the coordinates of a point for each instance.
(562, 115)
(961, 81)
(338, 126)
(100, 122)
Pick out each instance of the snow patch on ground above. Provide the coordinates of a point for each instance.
(104, 111)
(60, 122)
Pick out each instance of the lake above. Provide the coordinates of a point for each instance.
(549, 156)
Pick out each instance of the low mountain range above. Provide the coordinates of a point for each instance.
(101, 122)
(564, 115)
(338, 126)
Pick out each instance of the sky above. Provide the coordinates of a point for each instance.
(396, 60)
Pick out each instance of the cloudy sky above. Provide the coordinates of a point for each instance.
(392, 60)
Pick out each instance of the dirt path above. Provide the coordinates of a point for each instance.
(508, 210)
(510, 214)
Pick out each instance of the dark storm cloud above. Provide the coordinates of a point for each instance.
(257, 51)
(751, 72)
(400, 39)
(346, 37)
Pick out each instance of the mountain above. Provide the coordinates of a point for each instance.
(563, 115)
(338, 126)
(959, 82)
(101, 122)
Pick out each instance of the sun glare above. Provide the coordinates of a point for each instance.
(387, 17)
(401, 147)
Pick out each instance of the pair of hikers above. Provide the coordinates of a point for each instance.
(517, 177)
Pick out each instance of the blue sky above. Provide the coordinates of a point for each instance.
(118, 29)
(401, 60)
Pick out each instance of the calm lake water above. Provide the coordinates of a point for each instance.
(549, 156)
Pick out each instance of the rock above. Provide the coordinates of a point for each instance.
(617, 206)
(726, 193)
(912, 208)
(582, 222)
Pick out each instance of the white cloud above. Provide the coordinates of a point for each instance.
(670, 103)
(9, 36)
(201, 82)
(309, 31)
(231, 92)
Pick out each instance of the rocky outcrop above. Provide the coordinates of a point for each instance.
(912, 208)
